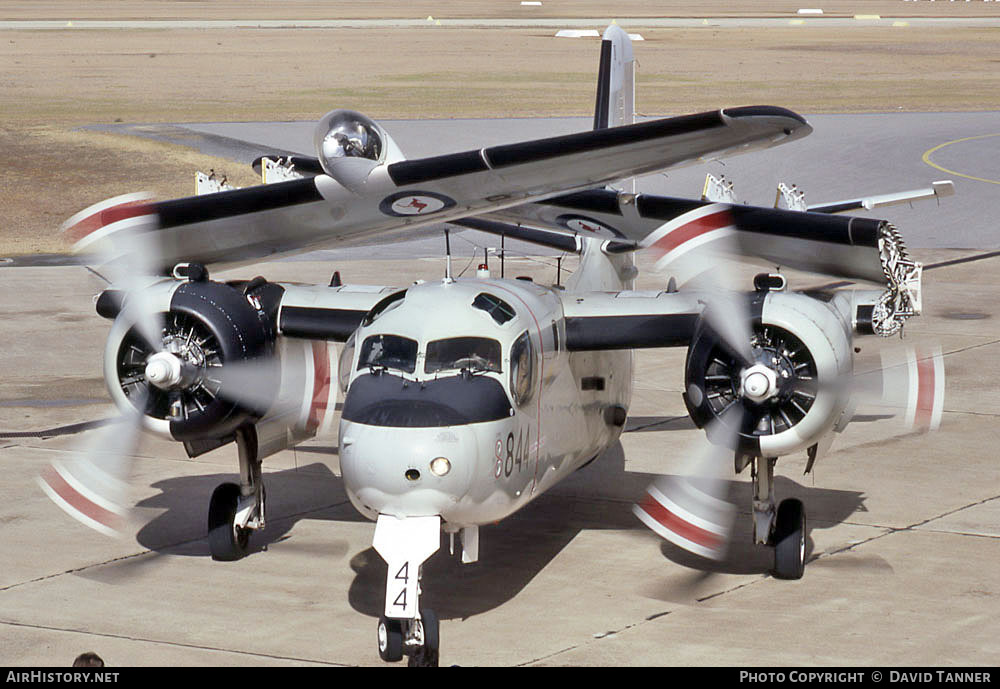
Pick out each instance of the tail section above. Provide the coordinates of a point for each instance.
(616, 87)
(615, 81)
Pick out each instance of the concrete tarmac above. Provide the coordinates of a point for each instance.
(904, 529)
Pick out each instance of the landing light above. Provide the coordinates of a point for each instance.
(440, 466)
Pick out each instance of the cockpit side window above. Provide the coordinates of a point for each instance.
(498, 309)
(457, 353)
(384, 305)
(346, 360)
(522, 369)
(390, 351)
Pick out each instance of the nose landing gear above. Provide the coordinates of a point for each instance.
(406, 628)
(420, 639)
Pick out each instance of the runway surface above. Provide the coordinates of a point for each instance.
(548, 22)
(904, 530)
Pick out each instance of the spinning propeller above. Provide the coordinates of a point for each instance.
(767, 374)
(188, 360)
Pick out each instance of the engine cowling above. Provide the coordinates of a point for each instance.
(217, 363)
(205, 326)
(789, 394)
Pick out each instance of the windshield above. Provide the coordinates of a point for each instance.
(456, 353)
(390, 351)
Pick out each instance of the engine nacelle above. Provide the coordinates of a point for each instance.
(792, 391)
(218, 364)
(205, 325)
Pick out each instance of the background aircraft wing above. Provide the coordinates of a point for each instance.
(392, 199)
(839, 246)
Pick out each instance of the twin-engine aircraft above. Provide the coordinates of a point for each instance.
(465, 399)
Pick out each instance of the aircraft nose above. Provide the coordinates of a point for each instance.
(407, 472)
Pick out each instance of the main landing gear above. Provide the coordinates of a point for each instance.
(783, 528)
(237, 510)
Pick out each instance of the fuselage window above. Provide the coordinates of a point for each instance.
(390, 351)
(498, 309)
(522, 369)
(457, 353)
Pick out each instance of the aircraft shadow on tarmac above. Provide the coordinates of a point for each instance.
(512, 553)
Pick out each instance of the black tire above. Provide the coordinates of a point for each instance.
(790, 540)
(427, 655)
(226, 541)
(390, 639)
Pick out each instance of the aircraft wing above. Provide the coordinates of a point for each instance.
(840, 246)
(389, 200)
(630, 319)
(937, 190)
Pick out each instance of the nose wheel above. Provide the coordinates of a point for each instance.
(390, 639)
(420, 639)
(425, 654)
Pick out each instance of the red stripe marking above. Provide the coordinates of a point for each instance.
(691, 230)
(679, 526)
(103, 218)
(925, 394)
(77, 501)
(321, 386)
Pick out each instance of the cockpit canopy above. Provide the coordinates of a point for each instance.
(347, 134)
(349, 146)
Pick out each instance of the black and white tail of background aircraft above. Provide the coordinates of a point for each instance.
(466, 399)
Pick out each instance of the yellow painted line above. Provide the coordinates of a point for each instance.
(797, 21)
(927, 158)
(901, 23)
(867, 16)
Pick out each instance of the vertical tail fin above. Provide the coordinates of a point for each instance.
(615, 81)
(616, 86)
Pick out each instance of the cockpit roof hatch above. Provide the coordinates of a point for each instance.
(498, 309)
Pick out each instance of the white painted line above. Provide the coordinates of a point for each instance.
(577, 33)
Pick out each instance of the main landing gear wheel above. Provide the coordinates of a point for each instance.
(390, 639)
(226, 540)
(428, 654)
(790, 540)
